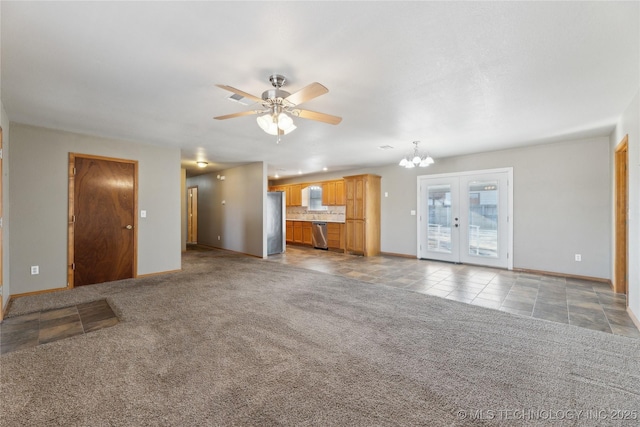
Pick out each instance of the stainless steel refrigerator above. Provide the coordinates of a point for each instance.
(276, 226)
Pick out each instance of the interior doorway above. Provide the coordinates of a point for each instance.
(192, 215)
(466, 217)
(102, 219)
(1, 227)
(622, 209)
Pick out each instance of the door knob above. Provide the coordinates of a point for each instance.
(129, 227)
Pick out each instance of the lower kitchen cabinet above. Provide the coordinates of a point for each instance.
(335, 235)
(289, 231)
(306, 233)
(355, 236)
(299, 232)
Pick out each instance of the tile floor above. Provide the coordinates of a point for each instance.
(33, 329)
(582, 303)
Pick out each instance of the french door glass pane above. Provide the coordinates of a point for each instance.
(483, 219)
(439, 229)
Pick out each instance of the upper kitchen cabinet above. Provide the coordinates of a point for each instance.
(293, 193)
(296, 195)
(362, 234)
(333, 193)
(285, 190)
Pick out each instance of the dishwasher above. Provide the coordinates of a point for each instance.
(319, 235)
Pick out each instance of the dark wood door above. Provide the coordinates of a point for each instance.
(104, 210)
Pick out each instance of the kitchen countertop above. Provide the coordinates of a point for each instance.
(316, 220)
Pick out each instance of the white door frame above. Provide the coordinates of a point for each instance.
(423, 214)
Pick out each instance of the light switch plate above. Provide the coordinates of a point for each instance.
(413, 212)
(143, 214)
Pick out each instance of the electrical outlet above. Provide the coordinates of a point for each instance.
(578, 257)
(35, 270)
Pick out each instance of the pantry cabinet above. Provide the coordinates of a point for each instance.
(362, 214)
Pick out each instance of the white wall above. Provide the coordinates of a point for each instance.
(562, 196)
(38, 203)
(629, 124)
(240, 221)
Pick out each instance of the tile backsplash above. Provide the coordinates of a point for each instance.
(334, 214)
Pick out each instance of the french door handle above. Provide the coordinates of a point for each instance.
(129, 227)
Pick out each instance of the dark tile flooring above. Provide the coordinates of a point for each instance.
(582, 303)
(33, 329)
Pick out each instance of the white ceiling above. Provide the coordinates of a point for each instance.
(461, 77)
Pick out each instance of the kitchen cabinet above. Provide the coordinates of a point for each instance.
(329, 193)
(362, 214)
(297, 231)
(306, 233)
(333, 193)
(289, 228)
(335, 235)
(296, 195)
(340, 199)
(285, 189)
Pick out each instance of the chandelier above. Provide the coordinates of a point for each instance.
(416, 159)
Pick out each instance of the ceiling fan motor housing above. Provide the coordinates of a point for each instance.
(272, 94)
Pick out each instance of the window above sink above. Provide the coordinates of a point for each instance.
(315, 198)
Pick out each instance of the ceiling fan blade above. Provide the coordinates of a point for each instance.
(307, 93)
(241, 93)
(320, 117)
(242, 113)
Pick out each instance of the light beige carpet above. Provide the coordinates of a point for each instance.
(234, 340)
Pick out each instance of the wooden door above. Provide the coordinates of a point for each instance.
(103, 219)
(621, 209)
(1, 227)
(192, 215)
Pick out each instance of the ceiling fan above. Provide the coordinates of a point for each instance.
(277, 103)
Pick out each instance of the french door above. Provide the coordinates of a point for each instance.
(466, 217)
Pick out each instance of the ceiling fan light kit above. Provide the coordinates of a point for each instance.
(416, 159)
(279, 105)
